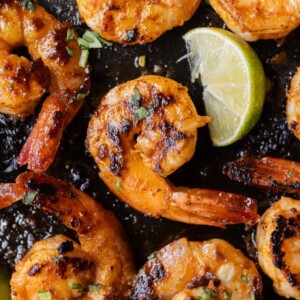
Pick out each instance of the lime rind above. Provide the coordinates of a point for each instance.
(214, 74)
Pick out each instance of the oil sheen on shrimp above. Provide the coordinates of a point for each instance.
(278, 242)
(101, 267)
(293, 105)
(54, 69)
(268, 172)
(212, 269)
(143, 131)
(259, 19)
(135, 21)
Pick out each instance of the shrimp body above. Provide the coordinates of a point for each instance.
(135, 21)
(259, 19)
(192, 270)
(278, 242)
(143, 131)
(55, 68)
(293, 105)
(101, 267)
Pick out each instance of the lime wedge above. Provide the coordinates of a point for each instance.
(233, 80)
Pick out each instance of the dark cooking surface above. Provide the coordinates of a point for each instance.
(21, 226)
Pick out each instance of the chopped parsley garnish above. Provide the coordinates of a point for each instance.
(135, 100)
(2, 71)
(95, 287)
(228, 295)
(29, 197)
(290, 173)
(207, 294)
(70, 51)
(245, 278)
(57, 259)
(118, 185)
(152, 255)
(142, 61)
(90, 40)
(28, 5)
(45, 295)
(84, 58)
(71, 35)
(76, 286)
(142, 272)
(141, 113)
(82, 96)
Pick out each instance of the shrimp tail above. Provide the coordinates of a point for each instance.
(42, 144)
(214, 208)
(269, 173)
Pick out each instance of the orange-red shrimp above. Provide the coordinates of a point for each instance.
(278, 244)
(135, 21)
(211, 269)
(55, 68)
(268, 172)
(101, 267)
(259, 19)
(143, 131)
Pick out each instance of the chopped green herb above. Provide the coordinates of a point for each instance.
(228, 295)
(135, 100)
(82, 96)
(70, 51)
(76, 286)
(45, 295)
(95, 287)
(28, 5)
(245, 278)
(2, 71)
(71, 35)
(118, 185)
(57, 259)
(9, 26)
(207, 294)
(92, 39)
(152, 255)
(252, 297)
(125, 37)
(142, 272)
(84, 58)
(29, 197)
(290, 173)
(142, 61)
(141, 113)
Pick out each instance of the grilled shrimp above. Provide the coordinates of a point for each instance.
(259, 19)
(211, 269)
(293, 105)
(278, 242)
(55, 68)
(269, 173)
(135, 21)
(101, 267)
(143, 131)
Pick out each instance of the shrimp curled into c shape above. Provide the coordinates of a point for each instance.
(211, 269)
(135, 21)
(143, 131)
(278, 240)
(101, 267)
(259, 19)
(22, 83)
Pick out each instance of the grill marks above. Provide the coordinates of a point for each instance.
(156, 121)
(144, 285)
(286, 228)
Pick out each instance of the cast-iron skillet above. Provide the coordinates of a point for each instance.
(21, 226)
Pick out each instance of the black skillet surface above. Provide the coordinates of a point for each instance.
(21, 226)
